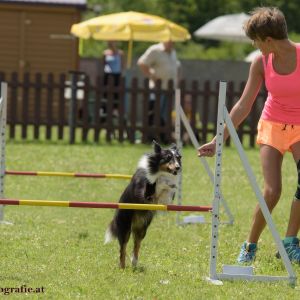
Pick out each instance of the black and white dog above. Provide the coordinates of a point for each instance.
(154, 182)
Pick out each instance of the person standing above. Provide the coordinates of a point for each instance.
(279, 126)
(160, 62)
(113, 66)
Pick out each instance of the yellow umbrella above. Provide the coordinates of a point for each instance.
(130, 26)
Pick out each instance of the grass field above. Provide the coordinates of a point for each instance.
(61, 249)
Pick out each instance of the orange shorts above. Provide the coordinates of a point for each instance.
(279, 136)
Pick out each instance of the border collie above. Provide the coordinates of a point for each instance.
(154, 182)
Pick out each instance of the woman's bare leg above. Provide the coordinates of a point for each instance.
(294, 222)
(271, 161)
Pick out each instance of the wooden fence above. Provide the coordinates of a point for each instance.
(126, 112)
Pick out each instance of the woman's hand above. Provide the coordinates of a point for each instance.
(208, 149)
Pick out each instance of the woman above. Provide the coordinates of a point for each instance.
(279, 126)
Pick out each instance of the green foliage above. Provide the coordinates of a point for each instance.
(93, 48)
(191, 14)
(222, 50)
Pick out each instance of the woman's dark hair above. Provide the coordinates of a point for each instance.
(266, 22)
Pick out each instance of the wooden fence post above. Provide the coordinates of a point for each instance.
(61, 106)
(26, 87)
(122, 121)
(73, 106)
(13, 105)
(170, 122)
(205, 110)
(85, 109)
(146, 111)
(37, 105)
(49, 105)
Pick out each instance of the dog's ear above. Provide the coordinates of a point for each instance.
(156, 146)
(176, 150)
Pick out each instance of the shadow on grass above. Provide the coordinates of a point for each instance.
(139, 269)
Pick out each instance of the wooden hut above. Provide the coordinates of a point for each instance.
(36, 47)
(35, 35)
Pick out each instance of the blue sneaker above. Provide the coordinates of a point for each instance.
(291, 245)
(247, 254)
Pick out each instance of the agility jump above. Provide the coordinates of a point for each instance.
(66, 174)
(238, 272)
(134, 206)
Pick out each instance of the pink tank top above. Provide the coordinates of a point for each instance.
(283, 101)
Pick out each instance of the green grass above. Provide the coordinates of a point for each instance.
(62, 249)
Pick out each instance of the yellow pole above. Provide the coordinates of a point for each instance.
(129, 54)
(142, 206)
(43, 203)
(80, 47)
(55, 174)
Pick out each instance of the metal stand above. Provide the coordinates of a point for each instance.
(179, 146)
(239, 272)
(181, 117)
(3, 106)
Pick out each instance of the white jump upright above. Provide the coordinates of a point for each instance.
(179, 146)
(181, 117)
(238, 272)
(3, 108)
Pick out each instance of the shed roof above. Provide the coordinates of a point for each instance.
(79, 3)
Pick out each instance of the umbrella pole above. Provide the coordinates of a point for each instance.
(128, 76)
(80, 48)
(129, 54)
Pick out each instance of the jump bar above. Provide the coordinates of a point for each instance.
(66, 174)
(134, 206)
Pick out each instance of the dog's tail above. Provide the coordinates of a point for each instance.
(111, 232)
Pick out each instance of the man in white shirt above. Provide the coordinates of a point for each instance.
(160, 62)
